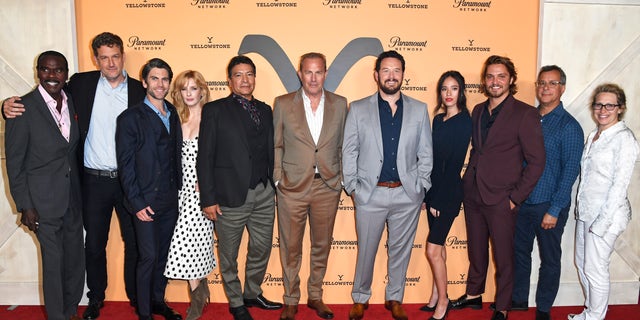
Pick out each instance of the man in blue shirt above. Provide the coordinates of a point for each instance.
(544, 214)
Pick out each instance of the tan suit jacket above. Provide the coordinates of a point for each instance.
(296, 155)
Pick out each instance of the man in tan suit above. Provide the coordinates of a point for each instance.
(308, 126)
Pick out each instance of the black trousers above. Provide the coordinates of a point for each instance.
(100, 196)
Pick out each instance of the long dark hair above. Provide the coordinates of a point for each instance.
(462, 98)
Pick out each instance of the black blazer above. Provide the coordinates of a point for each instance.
(224, 156)
(138, 132)
(82, 87)
(41, 165)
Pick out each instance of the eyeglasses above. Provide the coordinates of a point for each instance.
(608, 106)
(551, 84)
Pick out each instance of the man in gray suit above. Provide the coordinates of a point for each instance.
(44, 178)
(386, 162)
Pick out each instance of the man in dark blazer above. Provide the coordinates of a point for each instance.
(309, 126)
(235, 175)
(507, 159)
(148, 147)
(99, 97)
(44, 179)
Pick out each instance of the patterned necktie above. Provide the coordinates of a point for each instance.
(250, 106)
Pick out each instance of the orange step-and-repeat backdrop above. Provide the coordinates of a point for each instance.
(434, 36)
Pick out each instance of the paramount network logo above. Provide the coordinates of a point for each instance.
(216, 279)
(470, 47)
(209, 4)
(145, 5)
(209, 44)
(136, 43)
(344, 244)
(398, 44)
(272, 281)
(342, 4)
(455, 243)
(276, 4)
(355, 50)
(461, 280)
(338, 282)
(477, 6)
(219, 85)
(407, 5)
(408, 281)
(472, 88)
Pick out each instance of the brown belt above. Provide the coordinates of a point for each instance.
(390, 184)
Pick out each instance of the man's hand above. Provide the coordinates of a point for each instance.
(212, 212)
(511, 204)
(548, 221)
(31, 219)
(434, 212)
(11, 108)
(145, 214)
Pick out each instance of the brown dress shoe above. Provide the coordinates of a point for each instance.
(289, 312)
(396, 310)
(75, 317)
(357, 311)
(321, 309)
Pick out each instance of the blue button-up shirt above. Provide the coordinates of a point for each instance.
(563, 142)
(165, 118)
(391, 124)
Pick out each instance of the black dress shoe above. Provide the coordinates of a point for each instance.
(240, 313)
(93, 310)
(463, 302)
(262, 303)
(161, 308)
(541, 315)
(497, 315)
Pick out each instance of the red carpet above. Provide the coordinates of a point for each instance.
(219, 311)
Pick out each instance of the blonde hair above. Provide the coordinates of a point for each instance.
(176, 96)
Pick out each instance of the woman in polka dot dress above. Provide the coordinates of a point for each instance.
(191, 253)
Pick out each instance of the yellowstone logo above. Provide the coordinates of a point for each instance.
(470, 47)
(338, 282)
(272, 52)
(455, 243)
(343, 244)
(414, 246)
(342, 4)
(216, 279)
(472, 6)
(276, 4)
(138, 44)
(145, 5)
(272, 281)
(210, 4)
(406, 86)
(407, 5)
(406, 45)
(461, 280)
(408, 281)
(343, 207)
(209, 44)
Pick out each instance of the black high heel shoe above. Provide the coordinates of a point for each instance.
(445, 312)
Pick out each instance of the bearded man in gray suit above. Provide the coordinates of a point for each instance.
(387, 160)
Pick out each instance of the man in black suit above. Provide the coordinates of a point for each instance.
(44, 178)
(148, 146)
(235, 174)
(99, 97)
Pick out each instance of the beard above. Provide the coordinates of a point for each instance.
(390, 90)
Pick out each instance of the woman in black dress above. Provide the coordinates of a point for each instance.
(451, 135)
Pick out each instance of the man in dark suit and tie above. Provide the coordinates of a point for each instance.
(99, 97)
(148, 147)
(309, 126)
(507, 159)
(44, 178)
(235, 171)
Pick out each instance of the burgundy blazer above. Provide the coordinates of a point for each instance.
(509, 164)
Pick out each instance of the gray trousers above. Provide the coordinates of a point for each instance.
(393, 208)
(256, 215)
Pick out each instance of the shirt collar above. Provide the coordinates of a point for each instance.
(48, 99)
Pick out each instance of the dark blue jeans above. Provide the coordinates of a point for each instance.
(527, 228)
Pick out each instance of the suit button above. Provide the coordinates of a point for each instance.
(316, 150)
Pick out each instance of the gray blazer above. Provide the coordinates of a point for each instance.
(362, 148)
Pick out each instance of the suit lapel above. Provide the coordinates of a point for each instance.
(299, 114)
(374, 115)
(43, 108)
(234, 110)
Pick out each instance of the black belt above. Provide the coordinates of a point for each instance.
(101, 173)
(317, 176)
